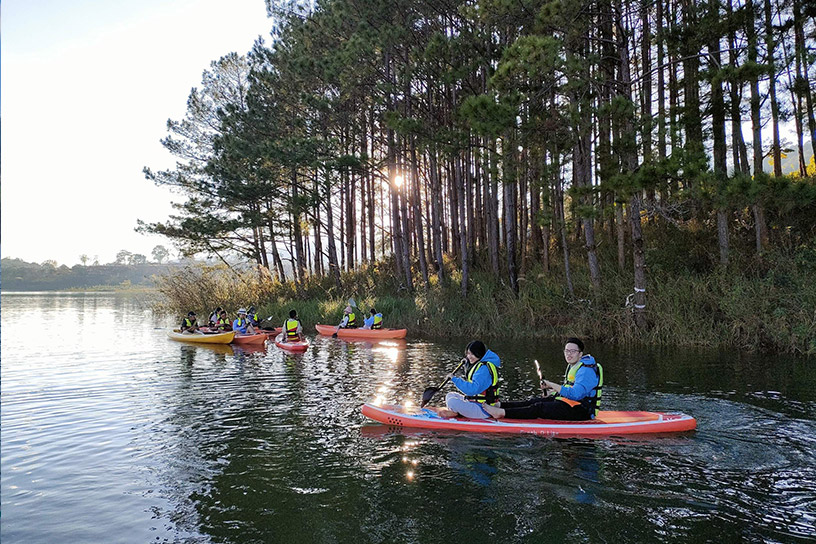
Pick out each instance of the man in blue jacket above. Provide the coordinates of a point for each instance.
(576, 400)
(480, 385)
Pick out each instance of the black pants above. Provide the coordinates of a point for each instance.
(544, 408)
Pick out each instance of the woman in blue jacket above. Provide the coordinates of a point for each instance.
(576, 400)
(480, 385)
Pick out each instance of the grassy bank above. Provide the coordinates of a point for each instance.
(759, 305)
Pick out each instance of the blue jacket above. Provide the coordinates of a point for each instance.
(481, 379)
(242, 328)
(585, 380)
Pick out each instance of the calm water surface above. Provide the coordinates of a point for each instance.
(113, 433)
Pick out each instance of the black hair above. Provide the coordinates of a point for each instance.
(373, 311)
(292, 314)
(577, 342)
(191, 313)
(477, 348)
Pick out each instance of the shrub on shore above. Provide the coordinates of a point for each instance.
(765, 306)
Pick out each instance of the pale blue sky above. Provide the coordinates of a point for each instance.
(87, 88)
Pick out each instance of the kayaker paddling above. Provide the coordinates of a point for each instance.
(292, 328)
(349, 320)
(479, 388)
(374, 321)
(242, 324)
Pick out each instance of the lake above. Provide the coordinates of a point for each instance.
(111, 432)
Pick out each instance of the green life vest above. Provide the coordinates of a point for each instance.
(291, 328)
(593, 401)
(491, 394)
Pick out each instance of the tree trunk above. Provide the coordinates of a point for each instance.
(334, 267)
(459, 182)
(436, 214)
(803, 56)
(770, 45)
(621, 235)
(718, 131)
(510, 169)
(415, 199)
(639, 259)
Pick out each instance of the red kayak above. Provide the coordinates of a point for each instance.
(607, 423)
(300, 345)
(253, 339)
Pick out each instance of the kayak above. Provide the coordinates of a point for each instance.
(203, 338)
(329, 330)
(302, 345)
(606, 423)
(254, 339)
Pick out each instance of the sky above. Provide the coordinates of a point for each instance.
(87, 87)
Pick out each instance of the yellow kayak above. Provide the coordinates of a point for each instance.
(201, 338)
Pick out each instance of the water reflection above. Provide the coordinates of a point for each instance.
(124, 430)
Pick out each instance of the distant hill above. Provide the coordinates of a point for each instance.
(18, 275)
(790, 163)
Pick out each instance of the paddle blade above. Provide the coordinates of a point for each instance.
(427, 395)
(334, 335)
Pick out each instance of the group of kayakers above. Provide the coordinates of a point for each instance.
(244, 323)
(351, 320)
(248, 322)
(577, 399)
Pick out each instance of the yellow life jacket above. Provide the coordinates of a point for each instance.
(352, 321)
(593, 401)
(291, 327)
(491, 394)
(377, 322)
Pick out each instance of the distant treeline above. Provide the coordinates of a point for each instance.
(18, 275)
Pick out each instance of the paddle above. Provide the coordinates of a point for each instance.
(540, 377)
(541, 380)
(431, 391)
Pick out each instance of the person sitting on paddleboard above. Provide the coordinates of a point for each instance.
(223, 322)
(374, 321)
(292, 328)
(576, 400)
(479, 387)
(241, 323)
(189, 323)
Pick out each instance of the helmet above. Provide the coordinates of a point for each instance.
(190, 313)
(251, 309)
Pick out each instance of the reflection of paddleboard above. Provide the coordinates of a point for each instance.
(607, 423)
(303, 345)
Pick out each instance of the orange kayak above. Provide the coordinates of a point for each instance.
(254, 339)
(607, 423)
(329, 330)
(301, 345)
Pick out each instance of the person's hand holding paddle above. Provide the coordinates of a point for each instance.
(431, 391)
(546, 386)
